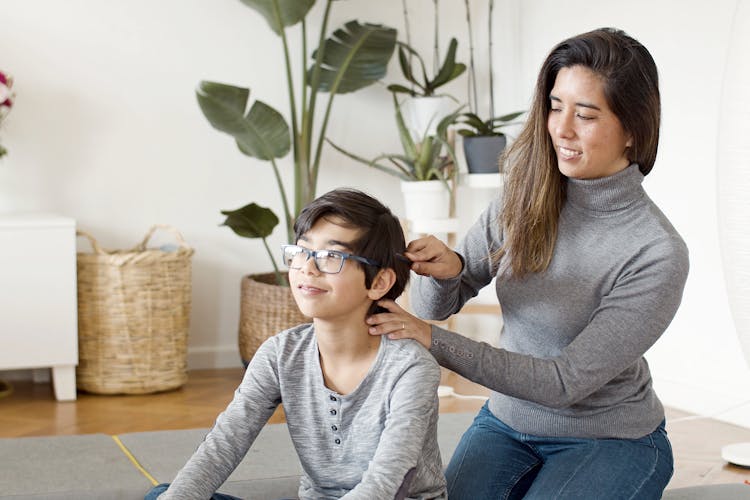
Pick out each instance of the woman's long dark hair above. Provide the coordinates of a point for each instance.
(534, 186)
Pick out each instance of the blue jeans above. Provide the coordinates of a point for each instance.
(492, 461)
(161, 488)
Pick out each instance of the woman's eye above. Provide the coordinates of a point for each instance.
(584, 117)
(555, 110)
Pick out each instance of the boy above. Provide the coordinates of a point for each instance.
(361, 410)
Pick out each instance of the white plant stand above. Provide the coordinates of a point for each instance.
(38, 305)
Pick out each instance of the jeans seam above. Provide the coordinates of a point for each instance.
(574, 472)
(653, 468)
(460, 464)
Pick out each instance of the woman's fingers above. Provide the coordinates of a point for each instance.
(399, 324)
(432, 257)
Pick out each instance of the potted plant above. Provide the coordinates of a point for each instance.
(483, 139)
(426, 167)
(353, 57)
(424, 108)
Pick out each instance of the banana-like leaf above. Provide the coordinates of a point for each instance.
(281, 13)
(354, 57)
(251, 221)
(262, 132)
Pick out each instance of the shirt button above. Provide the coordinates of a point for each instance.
(337, 441)
(333, 398)
(334, 428)
(332, 412)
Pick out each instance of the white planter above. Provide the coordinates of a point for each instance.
(423, 114)
(426, 200)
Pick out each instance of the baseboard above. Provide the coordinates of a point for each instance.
(704, 401)
(205, 358)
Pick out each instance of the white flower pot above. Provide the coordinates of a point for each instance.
(426, 200)
(423, 114)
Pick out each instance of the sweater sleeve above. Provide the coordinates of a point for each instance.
(626, 323)
(234, 432)
(438, 299)
(413, 403)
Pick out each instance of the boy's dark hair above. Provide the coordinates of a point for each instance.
(382, 237)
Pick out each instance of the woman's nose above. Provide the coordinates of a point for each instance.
(563, 125)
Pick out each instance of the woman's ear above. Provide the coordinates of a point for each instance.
(382, 283)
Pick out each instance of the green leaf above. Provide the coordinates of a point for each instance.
(400, 89)
(251, 221)
(403, 132)
(449, 70)
(261, 133)
(508, 117)
(281, 13)
(354, 57)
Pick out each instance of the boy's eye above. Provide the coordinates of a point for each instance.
(328, 255)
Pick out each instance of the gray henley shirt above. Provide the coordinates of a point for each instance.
(355, 446)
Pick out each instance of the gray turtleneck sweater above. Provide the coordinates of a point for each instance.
(570, 361)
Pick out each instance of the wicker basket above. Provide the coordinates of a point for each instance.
(265, 310)
(133, 316)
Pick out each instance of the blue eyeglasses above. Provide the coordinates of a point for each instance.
(326, 261)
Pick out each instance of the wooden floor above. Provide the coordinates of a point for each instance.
(31, 410)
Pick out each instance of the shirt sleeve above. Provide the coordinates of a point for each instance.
(413, 404)
(622, 328)
(235, 430)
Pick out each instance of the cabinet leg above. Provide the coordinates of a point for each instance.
(64, 382)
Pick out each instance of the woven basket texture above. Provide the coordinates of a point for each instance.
(265, 310)
(133, 317)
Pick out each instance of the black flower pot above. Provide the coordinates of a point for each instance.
(482, 153)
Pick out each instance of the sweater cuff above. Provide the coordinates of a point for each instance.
(448, 350)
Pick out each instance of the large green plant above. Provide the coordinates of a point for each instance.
(354, 56)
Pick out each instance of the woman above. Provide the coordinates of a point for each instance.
(589, 274)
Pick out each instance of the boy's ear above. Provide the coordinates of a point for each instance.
(382, 283)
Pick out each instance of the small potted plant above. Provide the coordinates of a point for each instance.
(355, 56)
(483, 139)
(6, 101)
(423, 108)
(426, 167)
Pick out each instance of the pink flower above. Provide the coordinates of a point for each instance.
(6, 100)
(6, 93)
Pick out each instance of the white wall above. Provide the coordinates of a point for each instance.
(107, 130)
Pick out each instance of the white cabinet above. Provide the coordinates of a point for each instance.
(38, 314)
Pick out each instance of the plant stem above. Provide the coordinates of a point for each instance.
(311, 171)
(331, 93)
(284, 202)
(407, 30)
(436, 55)
(492, 84)
(472, 91)
(293, 111)
(279, 277)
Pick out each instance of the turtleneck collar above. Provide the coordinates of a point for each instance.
(607, 194)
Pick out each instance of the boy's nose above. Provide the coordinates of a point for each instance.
(309, 267)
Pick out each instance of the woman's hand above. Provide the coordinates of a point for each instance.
(432, 257)
(399, 324)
